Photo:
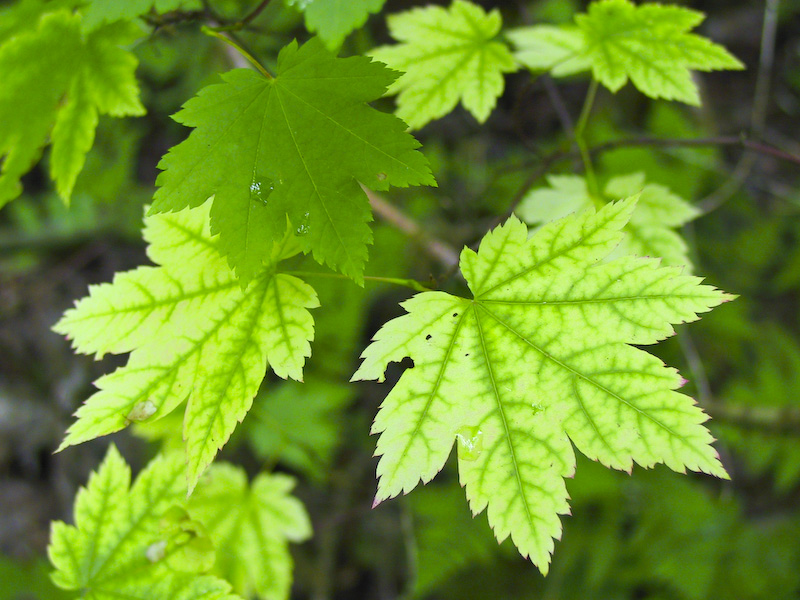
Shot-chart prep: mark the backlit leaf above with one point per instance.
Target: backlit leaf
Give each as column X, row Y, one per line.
column 539, row 359
column 68, row 80
column 251, row 527
column 119, row 546
column 650, row 44
column 194, row 335
column 448, row 55
column 651, row 230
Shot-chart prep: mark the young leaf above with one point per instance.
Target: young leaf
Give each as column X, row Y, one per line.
column 540, row 356
column 119, row 547
column 251, row 527
column 649, row 44
column 100, row 12
column 297, row 146
column 651, row 230
column 333, row 20
column 68, row 80
column 448, row 56
column 194, row 333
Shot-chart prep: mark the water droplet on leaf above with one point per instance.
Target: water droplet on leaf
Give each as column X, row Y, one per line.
column 142, row 411
column 381, row 176
column 155, row 551
column 470, row 443
column 303, row 227
column 260, row 189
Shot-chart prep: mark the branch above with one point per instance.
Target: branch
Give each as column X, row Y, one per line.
column 438, row 249
column 254, row 13
column 725, row 140
column 558, row 156
column 758, row 113
column 774, row 419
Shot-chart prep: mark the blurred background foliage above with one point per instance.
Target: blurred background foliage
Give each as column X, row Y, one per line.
column 651, row 535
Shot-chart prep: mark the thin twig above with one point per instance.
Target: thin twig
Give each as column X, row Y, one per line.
column 583, row 120
column 251, row 59
column 725, row 140
column 254, row 13
column 758, row 114
column 696, row 366
column 773, row 419
column 543, row 165
column 559, row 105
column 438, row 249
column 542, row 169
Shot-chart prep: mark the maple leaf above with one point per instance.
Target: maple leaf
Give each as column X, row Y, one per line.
column 649, row 44
column 448, row 55
column 118, row 547
column 333, row 20
column 540, row 356
column 100, row 80
column 251, row 527
column 297, row 146
column 194, row 333
column 651, row 230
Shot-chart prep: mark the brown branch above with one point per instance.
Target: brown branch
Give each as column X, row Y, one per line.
column 438, row 249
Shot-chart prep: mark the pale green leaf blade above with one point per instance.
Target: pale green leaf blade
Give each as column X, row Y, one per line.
column 518, row 475
column 294, row 146
column 560, row 50
column 448, row 56
column 72, row 138
column 649, row 44
column 557, row 246
column 85, row 75
column 194, row 333
column 415, row 418
column 121, row 316
column 272, row 323
column 657, row 204
column 563, row 195
column 251, row 526
column 333, row 20
column 541, row 356
column 650, row 231
column 628, row 299
column 108, row 552
column 652, row 45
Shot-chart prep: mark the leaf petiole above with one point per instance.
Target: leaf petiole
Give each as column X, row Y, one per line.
column 591, row 178
column 409, row 283
column 250, row 58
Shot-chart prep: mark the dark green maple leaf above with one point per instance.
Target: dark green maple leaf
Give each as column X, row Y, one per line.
column 295, row 146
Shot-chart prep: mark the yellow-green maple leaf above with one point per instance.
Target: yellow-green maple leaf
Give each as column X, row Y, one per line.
column 194, row 335
column 541, row 356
